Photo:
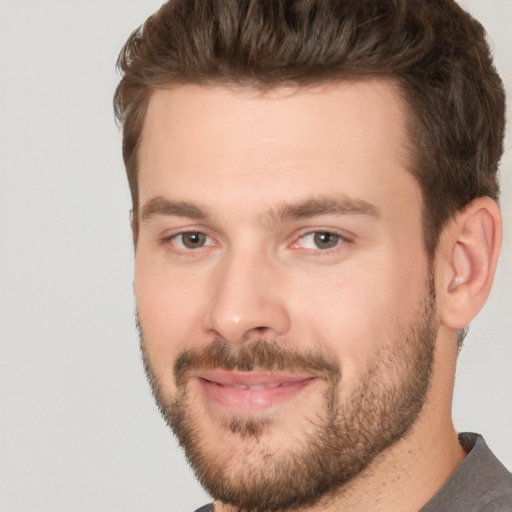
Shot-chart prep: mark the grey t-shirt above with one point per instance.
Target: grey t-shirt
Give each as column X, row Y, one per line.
column 481, row 483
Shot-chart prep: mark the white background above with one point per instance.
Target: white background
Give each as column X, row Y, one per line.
column 79, row 431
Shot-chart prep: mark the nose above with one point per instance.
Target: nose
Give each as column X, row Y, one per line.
column 247, row 300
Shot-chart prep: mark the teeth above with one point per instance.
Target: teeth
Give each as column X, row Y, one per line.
column 272, row 385
column 256, row 387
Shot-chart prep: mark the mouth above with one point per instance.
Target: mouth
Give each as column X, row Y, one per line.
column 250, row 391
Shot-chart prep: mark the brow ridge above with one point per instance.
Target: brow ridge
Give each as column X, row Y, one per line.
column 323, row 206
column 282, row 213
column 162, row 206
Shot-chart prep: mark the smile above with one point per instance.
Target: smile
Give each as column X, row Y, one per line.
column 248, row 391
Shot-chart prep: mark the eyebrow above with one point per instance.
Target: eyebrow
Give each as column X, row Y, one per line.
column 340, row 205
column 160, row 206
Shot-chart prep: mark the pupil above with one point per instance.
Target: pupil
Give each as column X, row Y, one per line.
column 193, row 240
column 325, row 240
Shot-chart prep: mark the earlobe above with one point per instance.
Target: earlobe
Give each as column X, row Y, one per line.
column 469, row 248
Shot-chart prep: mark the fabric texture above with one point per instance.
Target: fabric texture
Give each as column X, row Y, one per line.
column 481, row 483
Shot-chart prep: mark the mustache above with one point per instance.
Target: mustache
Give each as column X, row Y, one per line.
column 262, row 355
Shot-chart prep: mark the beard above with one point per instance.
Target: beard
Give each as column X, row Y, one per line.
column 340, row 436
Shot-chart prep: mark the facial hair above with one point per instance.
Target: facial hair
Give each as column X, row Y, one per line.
column 340, row 437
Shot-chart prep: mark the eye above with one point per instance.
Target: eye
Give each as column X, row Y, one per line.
column 322, row 240
column 191, row 240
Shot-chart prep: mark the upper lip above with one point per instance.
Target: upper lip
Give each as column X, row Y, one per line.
column 251, row 380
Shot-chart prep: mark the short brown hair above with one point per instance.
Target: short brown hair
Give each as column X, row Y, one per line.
column 434, row 50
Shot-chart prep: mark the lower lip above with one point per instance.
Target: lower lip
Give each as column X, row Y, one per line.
column 248, row 400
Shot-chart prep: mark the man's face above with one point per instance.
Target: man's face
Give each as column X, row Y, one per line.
column 284, row 297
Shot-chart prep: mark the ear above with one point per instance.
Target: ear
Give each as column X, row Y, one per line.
column 467, row 257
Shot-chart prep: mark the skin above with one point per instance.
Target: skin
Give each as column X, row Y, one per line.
column 243, row 158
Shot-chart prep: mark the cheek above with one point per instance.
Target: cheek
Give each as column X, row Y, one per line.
column 169, row 307
column 353, row 312
column 344, row 318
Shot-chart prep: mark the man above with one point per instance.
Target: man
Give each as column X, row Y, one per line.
column 315, row 223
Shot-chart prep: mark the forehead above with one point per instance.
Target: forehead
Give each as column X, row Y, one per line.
column 347, row 135
column 365, row 107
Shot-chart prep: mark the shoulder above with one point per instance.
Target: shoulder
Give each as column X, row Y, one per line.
column 206, row 508
column 481, row 483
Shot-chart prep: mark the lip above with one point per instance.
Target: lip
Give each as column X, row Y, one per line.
column 250, row 391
